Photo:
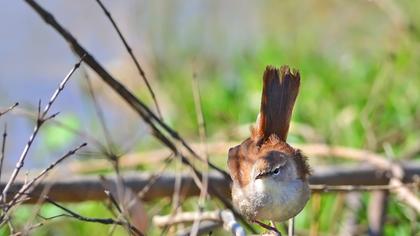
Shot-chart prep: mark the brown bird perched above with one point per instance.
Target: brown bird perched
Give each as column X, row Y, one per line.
column 270, row 176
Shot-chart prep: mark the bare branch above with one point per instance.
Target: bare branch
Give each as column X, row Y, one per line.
column 121, row 201
column 113, row 200
column 30, row 184
column 130, row 51
column 106, row 221
column 99, row 112
column 35, row 211
column 81, row 133
column 3, row 147
column 9, row 109
column 41, row 119
column 61, row 87
column 203, row 140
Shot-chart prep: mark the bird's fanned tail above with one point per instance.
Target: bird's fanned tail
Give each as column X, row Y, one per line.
column 280, row 89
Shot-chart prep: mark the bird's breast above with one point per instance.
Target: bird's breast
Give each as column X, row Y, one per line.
column 268, row 199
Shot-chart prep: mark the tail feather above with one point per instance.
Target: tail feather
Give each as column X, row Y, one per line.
column 280, row 89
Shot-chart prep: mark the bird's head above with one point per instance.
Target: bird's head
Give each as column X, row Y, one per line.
column 273, row 159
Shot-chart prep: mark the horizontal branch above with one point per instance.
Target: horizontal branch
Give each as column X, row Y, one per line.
column 85, row 188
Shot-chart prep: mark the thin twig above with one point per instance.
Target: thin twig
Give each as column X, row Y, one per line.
column 122, row 213
column 36, row 209
column 130, row 51
column 203, row 140
column 106, row 221
column 27, row 230
column 24, row 189
column 99, row 112
column 120, row 189
column 79, row 132
column 52, row 217
column 113, row 200
column 3, row 147
column 107, row 151
column 176, row 203
column 9, row 109
column 61, row 87
column 272, row 229
column 154, row 177
column 40, row 121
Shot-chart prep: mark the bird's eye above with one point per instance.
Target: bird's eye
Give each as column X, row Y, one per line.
column 276, row 171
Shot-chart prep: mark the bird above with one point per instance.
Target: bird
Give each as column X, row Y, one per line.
column 269, row 176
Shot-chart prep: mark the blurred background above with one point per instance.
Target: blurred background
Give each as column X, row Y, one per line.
column 359, row 63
